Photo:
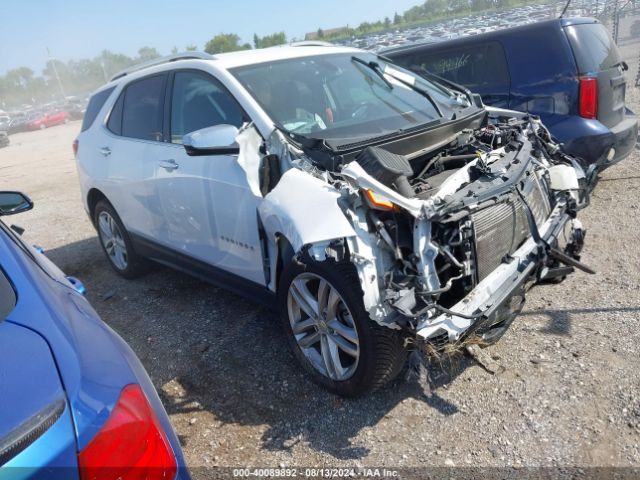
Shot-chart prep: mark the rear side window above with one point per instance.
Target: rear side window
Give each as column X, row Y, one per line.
column 94, row 106
column 475, row 66
column 7, row 297
column 200, row 101
column 593, row 47
column 142, row 108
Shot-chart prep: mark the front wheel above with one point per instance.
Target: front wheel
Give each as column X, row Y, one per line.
column 331, row 334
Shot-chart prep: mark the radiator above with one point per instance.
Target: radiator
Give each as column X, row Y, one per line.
column 500, row 229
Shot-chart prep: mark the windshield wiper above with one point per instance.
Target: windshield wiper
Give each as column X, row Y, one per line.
column 376, row 69
column 417, row 89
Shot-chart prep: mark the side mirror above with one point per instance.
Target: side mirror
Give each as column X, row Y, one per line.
column 14, row 202
column 216, row 140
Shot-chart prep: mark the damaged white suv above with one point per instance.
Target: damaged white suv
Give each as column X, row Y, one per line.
column 380, row 211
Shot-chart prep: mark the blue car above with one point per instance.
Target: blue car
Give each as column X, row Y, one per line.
column 568, row 71
column 76, row 402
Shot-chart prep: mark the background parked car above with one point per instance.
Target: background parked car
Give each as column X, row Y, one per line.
column 567, row 71
column 49, row 120
column 75, row 398
column 5, row 120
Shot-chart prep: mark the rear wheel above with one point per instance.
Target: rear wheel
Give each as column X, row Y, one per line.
column 331, row 334
column 116, row 243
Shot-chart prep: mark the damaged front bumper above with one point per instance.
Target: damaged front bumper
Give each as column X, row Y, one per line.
column 485, row 304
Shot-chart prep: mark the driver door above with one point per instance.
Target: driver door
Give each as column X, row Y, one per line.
column 207, row 208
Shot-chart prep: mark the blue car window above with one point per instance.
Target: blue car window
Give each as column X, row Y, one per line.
column 7, row 296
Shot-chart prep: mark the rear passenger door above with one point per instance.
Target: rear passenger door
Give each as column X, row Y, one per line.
column 482, row 68
column 209, row 212
column 131, row 153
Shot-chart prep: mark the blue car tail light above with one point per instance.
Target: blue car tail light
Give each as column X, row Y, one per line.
column 130, row 445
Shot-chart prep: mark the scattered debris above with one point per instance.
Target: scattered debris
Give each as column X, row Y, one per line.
column 484, row 359
column 106, row 296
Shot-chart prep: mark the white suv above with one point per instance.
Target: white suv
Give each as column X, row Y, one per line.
column 378, row 210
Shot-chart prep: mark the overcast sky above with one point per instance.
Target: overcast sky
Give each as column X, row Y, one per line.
column 74, row 29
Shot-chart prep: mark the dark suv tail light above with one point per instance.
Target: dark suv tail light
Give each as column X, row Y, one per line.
column 76, row 143
column 130, row 445
column 588, row 105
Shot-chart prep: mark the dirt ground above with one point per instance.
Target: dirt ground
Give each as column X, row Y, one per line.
column 570, row 395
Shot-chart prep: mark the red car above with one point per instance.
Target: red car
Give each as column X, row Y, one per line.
column 49, row 120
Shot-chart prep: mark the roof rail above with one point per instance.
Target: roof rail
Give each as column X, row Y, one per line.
column 161, row 60
column 312, row 43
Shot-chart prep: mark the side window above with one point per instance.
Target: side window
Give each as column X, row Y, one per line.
column 93, row 108
column 475, row 66
column 115, row 118
column 142, row 109
column 198, row 101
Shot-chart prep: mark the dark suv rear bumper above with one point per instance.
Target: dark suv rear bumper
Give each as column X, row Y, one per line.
column 625, row 136
column 592, row 141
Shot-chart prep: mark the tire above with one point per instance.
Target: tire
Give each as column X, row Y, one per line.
column 380, row 350
column 42, row 126
column 118, row 248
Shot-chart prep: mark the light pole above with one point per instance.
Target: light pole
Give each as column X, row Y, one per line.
column 104, row 72
column 55, row 71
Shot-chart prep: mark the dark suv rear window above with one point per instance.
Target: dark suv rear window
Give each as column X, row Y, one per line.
column 474, row 66
column 94, row 106
column 593, row 47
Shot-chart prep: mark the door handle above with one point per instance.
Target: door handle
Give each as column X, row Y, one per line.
column 168, row 165
column 105, row 151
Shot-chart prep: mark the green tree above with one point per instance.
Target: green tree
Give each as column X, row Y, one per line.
column 147, row 53
column 272, row 40
column 225, row 42
column 387, row 22
column 320, row 33
column 256, row 41
column 397, row 19
column 191, row 48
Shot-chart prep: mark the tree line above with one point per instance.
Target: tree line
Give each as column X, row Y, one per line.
column 22, row 85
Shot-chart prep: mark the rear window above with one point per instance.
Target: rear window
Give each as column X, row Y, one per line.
column 94, row 106
column 474, row 66
column 593, row 47
column 7, row 297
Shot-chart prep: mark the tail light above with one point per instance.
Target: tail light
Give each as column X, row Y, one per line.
column 75, row 146
column 588, row 106
column 130, row 445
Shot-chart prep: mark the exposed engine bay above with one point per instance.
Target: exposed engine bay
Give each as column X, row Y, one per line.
column 452, row 238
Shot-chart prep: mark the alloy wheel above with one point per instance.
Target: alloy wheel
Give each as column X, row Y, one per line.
column 112, row 241
column 323, row 326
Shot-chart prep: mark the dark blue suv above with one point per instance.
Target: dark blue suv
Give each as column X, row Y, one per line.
column 567, row 71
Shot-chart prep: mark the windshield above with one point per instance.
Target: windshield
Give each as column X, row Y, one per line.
column 347, row 96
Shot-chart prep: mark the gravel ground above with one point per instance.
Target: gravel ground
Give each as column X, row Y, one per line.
column 570, row 395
